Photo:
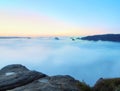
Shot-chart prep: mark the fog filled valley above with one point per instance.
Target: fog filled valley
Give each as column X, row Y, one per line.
column 84, row 60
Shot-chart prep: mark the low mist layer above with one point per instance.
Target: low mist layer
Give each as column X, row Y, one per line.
column 84, row 60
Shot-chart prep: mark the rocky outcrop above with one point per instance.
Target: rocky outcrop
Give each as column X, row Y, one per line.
column 112, row 84
column 56, row 38
column 13, row 76
column 54, row 83
column 19, row 78
column 105, row 37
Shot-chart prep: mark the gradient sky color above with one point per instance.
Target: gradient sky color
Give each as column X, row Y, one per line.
column 59, row 17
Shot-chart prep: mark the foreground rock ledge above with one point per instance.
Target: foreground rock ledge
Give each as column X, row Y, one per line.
column 18, row 78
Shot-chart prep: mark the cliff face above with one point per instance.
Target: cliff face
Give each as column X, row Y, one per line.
column 106, row 37
column 19, row 78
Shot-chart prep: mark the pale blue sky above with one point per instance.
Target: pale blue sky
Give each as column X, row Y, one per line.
column 87, row 13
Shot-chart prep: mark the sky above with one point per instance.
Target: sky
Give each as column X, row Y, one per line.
column 59, row 17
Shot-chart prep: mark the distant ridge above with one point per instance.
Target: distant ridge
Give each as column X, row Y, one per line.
column 104, row 37
column 5, row 37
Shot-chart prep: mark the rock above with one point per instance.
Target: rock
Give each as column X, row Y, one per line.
column 53, row 83
column 112, row 84
column 78, row 38
column 19, row 78
column 73, row 39
column 105, row 37
column 16, row 68
column 56, row 38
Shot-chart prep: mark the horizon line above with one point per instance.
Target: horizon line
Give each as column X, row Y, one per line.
column 54, row 35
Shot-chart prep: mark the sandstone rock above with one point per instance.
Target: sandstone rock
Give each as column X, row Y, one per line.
column 19, row 78
column 15, row 68
column 53, row 83
column 112, row 84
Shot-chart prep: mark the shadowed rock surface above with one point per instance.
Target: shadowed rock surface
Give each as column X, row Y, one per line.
column 19, row 78
column 112, row 84
column 17, row 68
column 13, row 76
column 54, row 83
column 105, row 37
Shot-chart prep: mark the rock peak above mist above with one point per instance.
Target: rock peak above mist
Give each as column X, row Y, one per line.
column 105, row 37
